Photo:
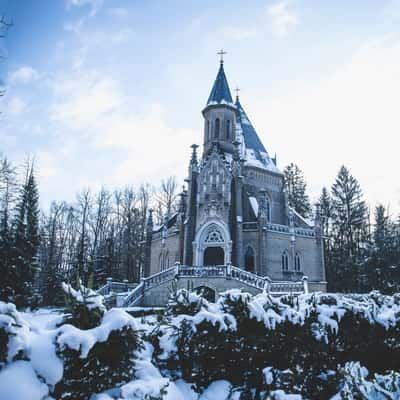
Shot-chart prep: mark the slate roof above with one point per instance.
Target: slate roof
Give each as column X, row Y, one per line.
column 220, row 92
column 251, row 138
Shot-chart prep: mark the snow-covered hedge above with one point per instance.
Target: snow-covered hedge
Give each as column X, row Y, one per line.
column 307, row 337
column 62, row 359
column 322, row 346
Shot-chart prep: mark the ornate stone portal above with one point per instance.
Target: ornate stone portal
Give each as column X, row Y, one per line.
column 212, row 245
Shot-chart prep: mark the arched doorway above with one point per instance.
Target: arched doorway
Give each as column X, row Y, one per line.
column 206, row 292
column 214, row 256
column 249, row 260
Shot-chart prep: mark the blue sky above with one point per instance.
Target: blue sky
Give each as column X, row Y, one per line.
column 111, row 92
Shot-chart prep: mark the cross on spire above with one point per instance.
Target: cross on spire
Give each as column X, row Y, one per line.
column 221, row 53
column 237, row 90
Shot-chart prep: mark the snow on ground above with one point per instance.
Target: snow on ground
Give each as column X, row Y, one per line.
column 36, row 334
column 18, row 381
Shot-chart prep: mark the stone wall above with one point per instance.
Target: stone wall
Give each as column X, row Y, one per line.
column 170, row 248
column 158, row 295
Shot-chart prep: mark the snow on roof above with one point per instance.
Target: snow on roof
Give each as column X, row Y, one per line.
column 220, row 93
column 254, row 204
column 307, row 221
column 255, row 153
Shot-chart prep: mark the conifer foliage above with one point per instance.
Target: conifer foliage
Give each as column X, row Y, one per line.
column 20, row 239
column 359, row 255
column 296, row 188
column 295, row 344
column 98, row 347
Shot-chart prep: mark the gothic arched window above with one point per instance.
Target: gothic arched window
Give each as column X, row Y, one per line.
column 208, row 130
column 285, row 261
column 249, row 259
column 297, row 263
column 228, row 129
column 216, row 129
column 214, row 236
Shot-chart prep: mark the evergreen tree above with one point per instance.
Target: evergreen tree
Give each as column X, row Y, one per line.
column 7, row 195
column 349, row 232
column 325, row 208
column 381, row 231
column 296, row 188
column 26, row 240
column 349, row 213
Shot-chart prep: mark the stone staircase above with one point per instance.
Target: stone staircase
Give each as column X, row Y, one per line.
column 155, row 290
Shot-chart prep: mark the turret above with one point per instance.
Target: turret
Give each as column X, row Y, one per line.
column 219, row 115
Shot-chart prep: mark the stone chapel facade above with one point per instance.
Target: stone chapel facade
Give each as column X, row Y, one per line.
column 235, row 209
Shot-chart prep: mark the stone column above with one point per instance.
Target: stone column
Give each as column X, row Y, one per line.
column 149, row 238
column 239, row 223
column 190, row 228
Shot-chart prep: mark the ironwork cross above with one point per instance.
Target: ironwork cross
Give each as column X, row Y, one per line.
column 237, row 90
column 221, row 53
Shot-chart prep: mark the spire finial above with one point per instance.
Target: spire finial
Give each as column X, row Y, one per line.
column 221, row 53
column 194, row 153
column 237, row 90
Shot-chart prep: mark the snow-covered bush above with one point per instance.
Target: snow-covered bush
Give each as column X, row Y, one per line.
column 184, row 302
column 97, row 358
column 356, row 385
column 84, row 306
column 306, row 336
column 13, row 334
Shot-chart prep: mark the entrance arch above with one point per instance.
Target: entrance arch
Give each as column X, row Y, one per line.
column 214, row 256
column 212, row 245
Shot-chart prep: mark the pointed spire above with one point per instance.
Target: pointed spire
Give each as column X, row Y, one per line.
column 220, row 92
column 193, row 160
column 150, row 221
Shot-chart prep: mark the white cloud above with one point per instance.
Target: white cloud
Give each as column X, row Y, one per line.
column 81, row 101
column 24, row 74
column 118, row 12
column 237, row 33
column 281, row 17
column 350, row 117
column 95, row 5
column 16, row 105
column 94, row 108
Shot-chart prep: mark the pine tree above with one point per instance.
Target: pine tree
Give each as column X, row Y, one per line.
column 325, row 208
column 349, row 213
column 26, row 240
column 7, row 195
column 296, row 186
column 381, row 231
column 349, row 232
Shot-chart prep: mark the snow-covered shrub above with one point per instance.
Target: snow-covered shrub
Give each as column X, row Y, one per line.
column 13, row 334
column 84, row 306
column 97, row 347
column 356, row 385
column 184, row 302
column 311, row 335
column 99, row 358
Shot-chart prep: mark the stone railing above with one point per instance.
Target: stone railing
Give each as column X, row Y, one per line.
column 251, row 279
column 263, row 283
column 160, row 277
column 305, row 232
column 200, row 272
column 134, row 296
column 115, row 287
column 286, row 287
column 278, row 228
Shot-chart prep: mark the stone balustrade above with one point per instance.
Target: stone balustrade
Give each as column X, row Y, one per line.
column 261, row 283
